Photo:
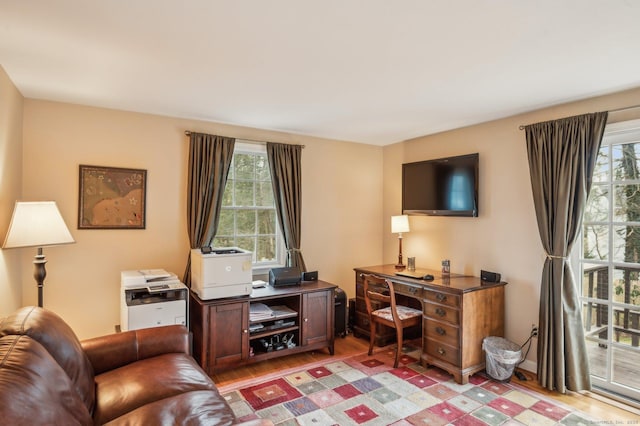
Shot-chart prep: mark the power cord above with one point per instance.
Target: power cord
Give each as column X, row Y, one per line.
column 519, row 374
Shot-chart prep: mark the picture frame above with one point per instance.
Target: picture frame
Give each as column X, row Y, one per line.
column 112, row 198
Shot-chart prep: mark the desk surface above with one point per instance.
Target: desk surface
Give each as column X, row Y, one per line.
column 303, row 287
column 448, row 283
column 268, row 292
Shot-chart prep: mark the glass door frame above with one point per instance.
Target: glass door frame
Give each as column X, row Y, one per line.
column 615, row 134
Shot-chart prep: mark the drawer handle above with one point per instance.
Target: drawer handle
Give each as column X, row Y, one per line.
column 441, row 331
column 441, row 312
column 441, row 351
column 413, row 290
column 441, row 297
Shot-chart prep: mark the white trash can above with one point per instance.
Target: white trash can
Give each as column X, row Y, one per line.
column 502, row 357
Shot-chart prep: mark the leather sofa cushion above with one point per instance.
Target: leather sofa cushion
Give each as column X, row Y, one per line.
column 193, row 408
column 116, row 350
column 60, row 341
column 30, row 377
column 149, row 380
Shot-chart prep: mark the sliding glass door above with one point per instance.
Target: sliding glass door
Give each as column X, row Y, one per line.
column 610, row 264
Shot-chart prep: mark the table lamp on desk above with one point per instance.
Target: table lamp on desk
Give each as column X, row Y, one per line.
column 399, row 224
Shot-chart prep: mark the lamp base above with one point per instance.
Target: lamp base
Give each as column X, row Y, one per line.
column 399, row 265
column 39, row 274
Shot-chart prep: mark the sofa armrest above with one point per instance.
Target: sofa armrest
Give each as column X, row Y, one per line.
column 115, row 350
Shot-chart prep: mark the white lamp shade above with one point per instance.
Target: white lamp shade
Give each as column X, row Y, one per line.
column 37, row 224
column 399, row 224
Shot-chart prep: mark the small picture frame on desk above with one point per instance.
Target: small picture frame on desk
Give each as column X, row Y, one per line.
column 446, row 267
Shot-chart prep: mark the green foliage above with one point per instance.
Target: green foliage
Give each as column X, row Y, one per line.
column 612, row 216
column 615, row 189
column 248, row 217
column 633, row 295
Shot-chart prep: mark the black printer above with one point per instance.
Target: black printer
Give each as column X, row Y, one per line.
column 279, row 277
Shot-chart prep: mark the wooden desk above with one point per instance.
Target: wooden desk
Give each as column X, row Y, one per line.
column 224, row 335
column 458, row 313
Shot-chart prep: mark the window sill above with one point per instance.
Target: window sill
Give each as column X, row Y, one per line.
column 264, row 269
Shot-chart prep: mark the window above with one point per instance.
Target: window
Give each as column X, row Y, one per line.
column 610, row 261
column 248, row 215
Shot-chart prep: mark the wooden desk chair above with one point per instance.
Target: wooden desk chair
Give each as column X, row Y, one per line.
column 395, row 316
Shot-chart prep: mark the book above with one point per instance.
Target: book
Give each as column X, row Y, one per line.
column 260, row 312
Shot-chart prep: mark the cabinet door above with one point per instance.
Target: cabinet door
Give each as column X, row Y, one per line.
column 317, row 317
column 229, row 327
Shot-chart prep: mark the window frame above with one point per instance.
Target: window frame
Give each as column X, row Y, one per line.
column 615, row 134
column 258, row 267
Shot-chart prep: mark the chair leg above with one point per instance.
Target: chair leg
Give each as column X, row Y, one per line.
column 399, row 350
column 372, row 335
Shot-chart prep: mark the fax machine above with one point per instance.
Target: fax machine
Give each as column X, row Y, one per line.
column 221, row 272
column 151, row 298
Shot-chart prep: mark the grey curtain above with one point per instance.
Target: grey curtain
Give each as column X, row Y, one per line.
column 285, row 164
column 562, row 155
column 209, row 162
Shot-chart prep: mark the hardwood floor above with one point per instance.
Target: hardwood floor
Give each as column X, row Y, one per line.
column 597, row 406
column 344, row 347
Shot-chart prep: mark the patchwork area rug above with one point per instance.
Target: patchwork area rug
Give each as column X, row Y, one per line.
column 367, row 390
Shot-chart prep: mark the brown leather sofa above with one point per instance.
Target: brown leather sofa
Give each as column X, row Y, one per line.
column 141, row 377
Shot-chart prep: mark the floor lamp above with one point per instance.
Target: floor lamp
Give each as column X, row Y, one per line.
column 399, row 224
column 37, row 224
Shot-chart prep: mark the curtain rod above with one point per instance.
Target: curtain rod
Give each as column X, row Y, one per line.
column 188, row 133
column 610, row 111
column 625, row 108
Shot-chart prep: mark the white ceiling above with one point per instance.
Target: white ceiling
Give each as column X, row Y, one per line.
column 369, row 71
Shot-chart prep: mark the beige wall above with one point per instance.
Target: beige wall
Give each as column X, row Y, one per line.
column 346, row 215
column 342, row 203
column 504, row 238
column 10, row 189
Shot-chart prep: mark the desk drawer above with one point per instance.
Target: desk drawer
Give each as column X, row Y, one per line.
column 441, row 313
column 362, row 320
column 448, row 299
column 442, row 351
column 383, row 335
column 442, row 332
column 361, row 305
column 408, row 290
column 372, row 287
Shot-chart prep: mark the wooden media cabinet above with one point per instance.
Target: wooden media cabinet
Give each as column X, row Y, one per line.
column 232, row 332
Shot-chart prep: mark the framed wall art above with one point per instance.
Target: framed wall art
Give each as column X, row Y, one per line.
column 112, row 198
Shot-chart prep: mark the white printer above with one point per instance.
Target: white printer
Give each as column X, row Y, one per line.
column 221, row 272
column 151, row 298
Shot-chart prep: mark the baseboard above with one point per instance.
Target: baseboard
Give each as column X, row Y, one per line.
column 530, row 366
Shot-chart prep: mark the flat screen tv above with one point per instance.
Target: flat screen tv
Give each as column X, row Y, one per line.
column 441, row 187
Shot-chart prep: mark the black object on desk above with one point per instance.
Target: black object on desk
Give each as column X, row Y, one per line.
column 284, row 276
